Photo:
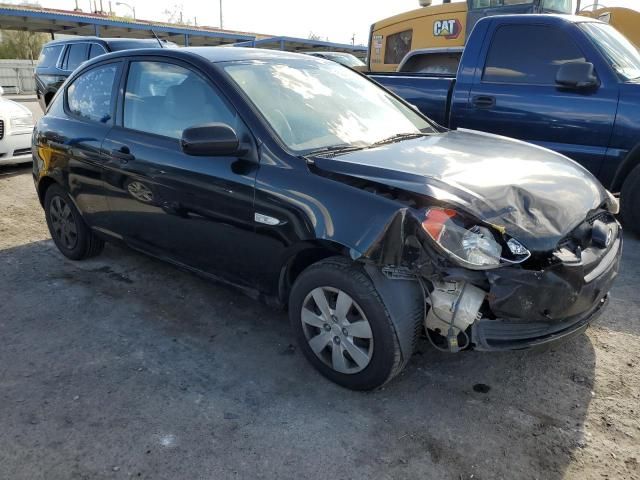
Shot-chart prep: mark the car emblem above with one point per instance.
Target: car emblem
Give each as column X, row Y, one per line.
column 609, row 237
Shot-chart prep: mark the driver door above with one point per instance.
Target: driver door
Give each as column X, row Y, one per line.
column 196, row 211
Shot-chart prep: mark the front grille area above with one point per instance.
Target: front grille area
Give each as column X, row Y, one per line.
column 580, row 237
column 1, row 129
column 21, row 151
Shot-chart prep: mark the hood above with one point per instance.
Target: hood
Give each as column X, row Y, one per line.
column 539, row 196
column 10, row 109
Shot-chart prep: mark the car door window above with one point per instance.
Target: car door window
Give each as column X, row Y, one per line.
column 96, row 50
column 165, row 99
column 76, row 54
column 90, row 95
column 530, row 54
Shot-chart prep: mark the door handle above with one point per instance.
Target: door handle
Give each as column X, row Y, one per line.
column 123, row 154
column 484, row 101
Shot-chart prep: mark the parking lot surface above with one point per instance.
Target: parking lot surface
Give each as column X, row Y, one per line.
column 125, row 367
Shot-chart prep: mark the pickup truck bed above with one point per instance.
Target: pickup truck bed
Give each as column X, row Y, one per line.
column 431, row 95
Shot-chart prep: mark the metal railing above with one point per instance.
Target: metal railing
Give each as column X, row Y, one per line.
column 16, row 76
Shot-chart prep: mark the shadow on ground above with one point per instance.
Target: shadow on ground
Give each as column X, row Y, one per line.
column 123, row 366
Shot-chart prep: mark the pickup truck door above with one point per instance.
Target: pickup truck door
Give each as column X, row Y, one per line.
column 514, row 94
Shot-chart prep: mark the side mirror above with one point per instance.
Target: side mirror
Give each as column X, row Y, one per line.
column 210, row 140
column 576, row 75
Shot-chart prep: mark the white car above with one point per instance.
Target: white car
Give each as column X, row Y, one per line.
column 16, row 125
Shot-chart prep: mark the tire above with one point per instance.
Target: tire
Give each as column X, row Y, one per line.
column 630, row 201
column 68, row 230
column 336, row 280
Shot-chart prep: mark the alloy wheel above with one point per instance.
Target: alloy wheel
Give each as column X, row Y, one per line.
column 63, row 223
column 337, row 330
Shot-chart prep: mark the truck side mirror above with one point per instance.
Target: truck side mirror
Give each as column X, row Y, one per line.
column 576, row 76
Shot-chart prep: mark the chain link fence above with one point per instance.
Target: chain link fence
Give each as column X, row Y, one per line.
column 16, row 76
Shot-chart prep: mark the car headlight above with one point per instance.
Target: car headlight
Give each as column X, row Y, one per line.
column 24, row 122
column 471, row 243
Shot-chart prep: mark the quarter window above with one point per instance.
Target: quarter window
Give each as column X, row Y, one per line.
column 90, row 95
column 165, row 99
column 528, row 54
column 96, row 50
column 398, row 45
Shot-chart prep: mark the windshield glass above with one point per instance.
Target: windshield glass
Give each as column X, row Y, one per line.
column 620, row 52
column 562, row 6
column 345, row 59
column 315, row 104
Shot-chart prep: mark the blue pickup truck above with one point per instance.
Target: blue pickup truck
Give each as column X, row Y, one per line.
column 570, row 84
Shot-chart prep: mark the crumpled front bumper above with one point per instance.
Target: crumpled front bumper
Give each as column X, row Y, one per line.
column 537, row 308
column 495, row 335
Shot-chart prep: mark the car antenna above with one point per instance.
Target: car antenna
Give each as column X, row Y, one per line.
column 159, row 41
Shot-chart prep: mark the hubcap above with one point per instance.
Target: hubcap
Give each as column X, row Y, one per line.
column 337, row 330
column 63, row 223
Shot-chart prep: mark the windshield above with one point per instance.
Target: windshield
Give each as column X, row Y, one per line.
column 623, row 57
column 345, row 59
column 563, row 6
column 315, row 104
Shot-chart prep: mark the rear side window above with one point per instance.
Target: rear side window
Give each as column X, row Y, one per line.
column 49, row 56
column 398, row 45
column 164, row 99
column 528, row 54
column 76, row 54
column 90, row 96
column 96, row 50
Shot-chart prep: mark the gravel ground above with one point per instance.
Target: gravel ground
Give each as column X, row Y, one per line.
column 123, row 367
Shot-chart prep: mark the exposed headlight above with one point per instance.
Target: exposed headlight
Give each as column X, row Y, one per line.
column 24, row 122
column 471, row 243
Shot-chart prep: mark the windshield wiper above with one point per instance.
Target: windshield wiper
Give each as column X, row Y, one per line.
column 341, row 148
column 398, row 137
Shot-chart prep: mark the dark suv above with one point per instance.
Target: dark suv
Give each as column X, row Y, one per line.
column 61, row 57
column 306, row 184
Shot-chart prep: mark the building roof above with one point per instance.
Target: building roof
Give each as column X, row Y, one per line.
column 37, row 19
column 79, row 23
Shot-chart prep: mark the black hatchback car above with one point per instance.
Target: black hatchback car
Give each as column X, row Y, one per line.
column 310, row 186
column 59, row 58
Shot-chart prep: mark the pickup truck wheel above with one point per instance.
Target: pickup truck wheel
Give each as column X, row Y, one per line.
column 342, row 325
column 70, row 233
column 630, row 201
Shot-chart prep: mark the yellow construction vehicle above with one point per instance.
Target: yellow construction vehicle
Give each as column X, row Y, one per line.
column 442, row 26
column 624, row 20
column 441, row 30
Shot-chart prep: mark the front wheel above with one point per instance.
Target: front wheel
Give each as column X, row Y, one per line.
column 342, row 325
column 630, row 200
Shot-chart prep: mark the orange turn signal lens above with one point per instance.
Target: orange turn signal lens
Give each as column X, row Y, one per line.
column 435, row 220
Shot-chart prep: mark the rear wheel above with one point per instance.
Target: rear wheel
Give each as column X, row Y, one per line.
column 630, row 201
column 70, row 233
column 342, row 325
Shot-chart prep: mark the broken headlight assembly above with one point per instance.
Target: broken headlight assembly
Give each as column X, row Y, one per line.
column 469, row 242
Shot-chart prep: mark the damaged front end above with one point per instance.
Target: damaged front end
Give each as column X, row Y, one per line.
column 511, row 245
column 484, row 290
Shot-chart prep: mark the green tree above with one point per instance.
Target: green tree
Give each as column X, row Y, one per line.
column 22, row 45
